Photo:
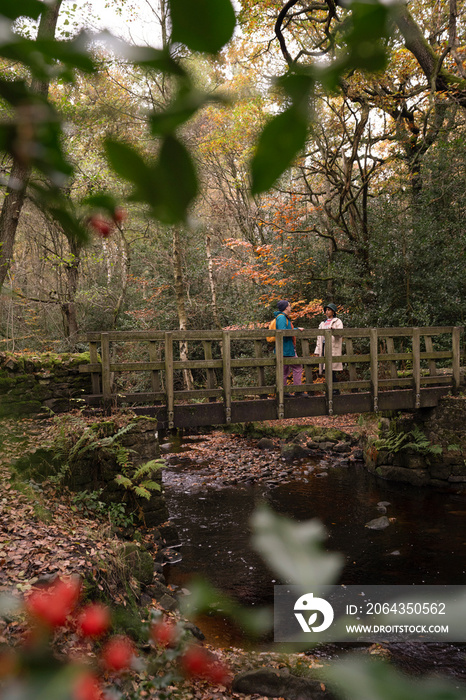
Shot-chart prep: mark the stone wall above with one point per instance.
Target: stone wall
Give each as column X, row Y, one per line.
column 32, row 383
column 443, row 426
column 97, row 469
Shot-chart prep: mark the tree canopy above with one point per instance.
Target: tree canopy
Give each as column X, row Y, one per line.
column 301, row 151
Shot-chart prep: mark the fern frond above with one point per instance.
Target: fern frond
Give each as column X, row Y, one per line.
column 142, row 492
column 151, row 485
column 124, row 481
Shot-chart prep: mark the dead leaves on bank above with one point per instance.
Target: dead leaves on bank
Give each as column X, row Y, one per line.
column 40, row 536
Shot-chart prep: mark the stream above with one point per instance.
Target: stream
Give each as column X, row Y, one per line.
column 424, row 544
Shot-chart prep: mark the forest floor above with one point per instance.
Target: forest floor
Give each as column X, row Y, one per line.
column 42, row 535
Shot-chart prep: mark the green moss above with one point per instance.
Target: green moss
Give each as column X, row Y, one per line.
column 139, row 562
column 19, row 409
column 6, row 384
column 38, row 465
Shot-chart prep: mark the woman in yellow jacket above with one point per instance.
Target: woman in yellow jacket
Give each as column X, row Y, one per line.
column 332, row 322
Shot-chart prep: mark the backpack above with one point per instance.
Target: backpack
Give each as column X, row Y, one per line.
column 272, row 327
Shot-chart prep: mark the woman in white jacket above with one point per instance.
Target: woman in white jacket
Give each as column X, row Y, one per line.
column 332, row 322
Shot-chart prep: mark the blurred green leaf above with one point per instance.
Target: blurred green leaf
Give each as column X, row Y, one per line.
column 21, row 8
column 14, row 91
column 184, row 106
column 73, row 53
column 101, row 200
column 61, row 209
column 203, row 25
column 280, row 142
column 130, row 165
column 49, row 58
column 294, row 550
column 297, row 85
column 155, row 58
column 370, row 679
column 168, row 186
column 177, row 182
column 369, row 25
column 369, row 21
column 177, row 113
column 7, row 135
column 204, row 598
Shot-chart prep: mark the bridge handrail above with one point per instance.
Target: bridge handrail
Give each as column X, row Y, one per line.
column 102, row 366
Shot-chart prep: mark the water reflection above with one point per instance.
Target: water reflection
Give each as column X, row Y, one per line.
column 424, row 544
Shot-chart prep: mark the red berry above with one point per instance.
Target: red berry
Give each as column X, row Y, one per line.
column 94, row 620
column 164, row 633
column 87, row 688
column 100, row 225
column 117, row 654
column 198, row 662
column 119, row 215
column 53, row 604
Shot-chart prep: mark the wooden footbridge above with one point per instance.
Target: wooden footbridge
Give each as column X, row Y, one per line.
column 236, row 375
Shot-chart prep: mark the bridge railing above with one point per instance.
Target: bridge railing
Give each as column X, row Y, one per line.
column 190, row 367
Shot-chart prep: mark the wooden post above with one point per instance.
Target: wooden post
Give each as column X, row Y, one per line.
column 94, row 359
column 456, row 360
column 279, row 373
column 430, row 348
column 211, row 382
column 374, row 368
column 417, row 366
column 169, row 379
column 226, row 346
column 106, row 383
column 329, row 370
column 391, row 351
column 351, row 366
column 155, row 374
column 260, row 370
column 306, row 353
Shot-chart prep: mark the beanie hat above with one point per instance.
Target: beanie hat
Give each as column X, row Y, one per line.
column 332, row 307
column 282, row 304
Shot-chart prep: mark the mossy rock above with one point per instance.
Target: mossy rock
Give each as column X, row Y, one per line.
column 7, row 383
column 258, row 430
column 19, row 409
column 138, row 562
column 37, row 465
column 320, row 434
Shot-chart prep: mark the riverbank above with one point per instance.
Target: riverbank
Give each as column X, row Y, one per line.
column 266, row 452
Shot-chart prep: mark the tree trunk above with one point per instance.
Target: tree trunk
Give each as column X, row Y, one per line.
column 213, row 291
column 180, row 304
column 68, row 307
column 126, row 267
column 21, row 171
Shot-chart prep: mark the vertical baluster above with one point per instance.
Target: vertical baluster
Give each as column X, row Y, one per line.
column 374, row 368
column 259, row 370
column 226, row 347
column 417, row 366
column 430, row 348
column 94, row 359
column 328, row 370
column 351, row 366
column 106, row 380
column 279, row 373
column 390, row 351
column 456, row 360
column 211, row 381
column 155, row 373
column 306, row 353
column 169, row 379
